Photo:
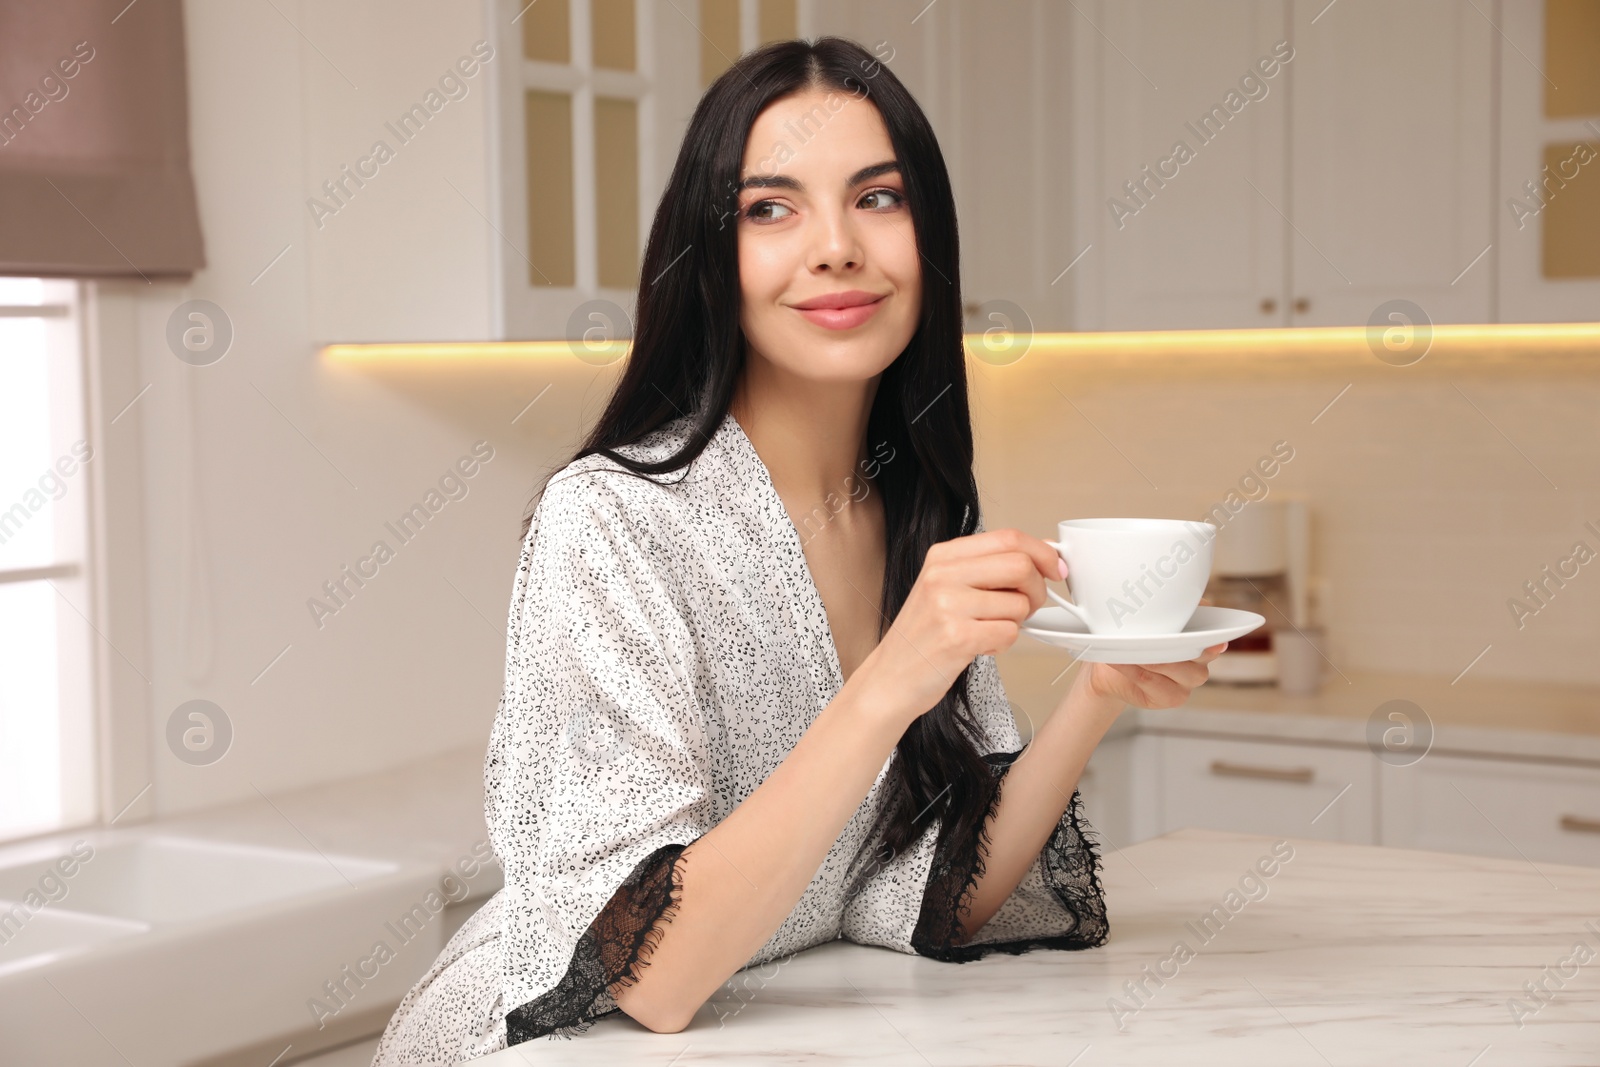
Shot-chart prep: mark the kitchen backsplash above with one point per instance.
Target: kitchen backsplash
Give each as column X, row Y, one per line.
column 1440, row 495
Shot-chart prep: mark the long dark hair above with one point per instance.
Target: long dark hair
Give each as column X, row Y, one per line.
column 688, row 352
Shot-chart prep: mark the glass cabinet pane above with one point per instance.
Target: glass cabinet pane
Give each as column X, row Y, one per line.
column 547, row 31
column 1571, row 216
column 1571, row 58
column 777, row 21
column 719, row 37
column 613, row 32
column 551, row 244
column 616, row 169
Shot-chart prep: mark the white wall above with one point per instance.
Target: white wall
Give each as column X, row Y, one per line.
column 267, row 471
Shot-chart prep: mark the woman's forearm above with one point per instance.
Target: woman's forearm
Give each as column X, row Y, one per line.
column 1035, row 793
column 743, row 877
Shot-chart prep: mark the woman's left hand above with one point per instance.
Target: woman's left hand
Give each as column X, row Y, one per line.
column 1156, row 685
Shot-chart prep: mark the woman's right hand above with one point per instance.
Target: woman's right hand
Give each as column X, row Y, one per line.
column 969, row 600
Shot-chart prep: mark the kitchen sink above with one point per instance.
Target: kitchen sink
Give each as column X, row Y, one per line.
column 175, row 879
column 29, row 938
column 141, row 946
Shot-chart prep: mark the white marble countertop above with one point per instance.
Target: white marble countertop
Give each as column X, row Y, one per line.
column 1346, row 954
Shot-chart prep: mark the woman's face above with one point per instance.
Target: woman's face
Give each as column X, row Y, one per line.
column 823, row 220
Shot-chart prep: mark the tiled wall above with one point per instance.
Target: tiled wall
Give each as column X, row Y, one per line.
column 1436, row 490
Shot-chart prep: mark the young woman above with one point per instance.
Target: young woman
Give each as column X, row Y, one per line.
column 722, row 741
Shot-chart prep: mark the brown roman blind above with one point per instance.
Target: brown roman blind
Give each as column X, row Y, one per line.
column 94, row 140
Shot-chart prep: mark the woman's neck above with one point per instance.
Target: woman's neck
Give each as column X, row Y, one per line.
column 811, row 435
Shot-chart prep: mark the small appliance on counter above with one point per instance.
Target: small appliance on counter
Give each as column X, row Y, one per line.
column 1260, row 562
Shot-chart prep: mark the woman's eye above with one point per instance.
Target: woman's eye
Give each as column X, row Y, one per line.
column 893, row 196
column 763, row 209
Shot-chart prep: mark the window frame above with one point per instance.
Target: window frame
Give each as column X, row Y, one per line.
column 72, row 572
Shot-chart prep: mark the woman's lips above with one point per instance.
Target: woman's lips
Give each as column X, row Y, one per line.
column 841, row 318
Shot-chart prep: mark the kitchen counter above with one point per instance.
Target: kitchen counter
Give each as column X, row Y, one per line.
column 428, row 812
column 1528, row 720
column 1345, row 954
column 152, row 993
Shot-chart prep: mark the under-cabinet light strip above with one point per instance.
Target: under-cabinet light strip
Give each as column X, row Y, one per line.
column 1307, row 340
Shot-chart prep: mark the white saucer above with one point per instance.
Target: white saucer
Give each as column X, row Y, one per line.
column 1208, row 626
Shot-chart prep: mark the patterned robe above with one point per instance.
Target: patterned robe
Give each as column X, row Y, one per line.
column 667, row 648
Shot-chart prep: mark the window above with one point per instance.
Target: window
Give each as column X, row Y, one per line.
column 47, row 765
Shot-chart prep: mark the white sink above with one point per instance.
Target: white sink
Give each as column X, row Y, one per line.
column 159, row 948
column 176, row 879
column 27, row 940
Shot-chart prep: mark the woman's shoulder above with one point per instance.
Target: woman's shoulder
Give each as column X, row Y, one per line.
column 597, row 486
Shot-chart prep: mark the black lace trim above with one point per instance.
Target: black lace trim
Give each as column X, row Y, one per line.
column 1071, row 867
column 612, row 951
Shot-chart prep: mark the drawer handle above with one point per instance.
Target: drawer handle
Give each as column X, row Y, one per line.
column 1277, row 774
column 1579, row 825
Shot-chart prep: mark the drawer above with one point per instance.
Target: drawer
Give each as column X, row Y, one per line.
column 1263, row 787
column 1494, row 807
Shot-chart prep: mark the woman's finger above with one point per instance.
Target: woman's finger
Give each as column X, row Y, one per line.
column 1045, row 559
column 1004, row 570
column 984, row 604
column 1188, row 674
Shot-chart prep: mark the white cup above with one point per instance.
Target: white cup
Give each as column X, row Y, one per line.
column 1134, row 576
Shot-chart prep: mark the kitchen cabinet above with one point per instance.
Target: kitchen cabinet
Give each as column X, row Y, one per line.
column 1153, row 779
column 1107, row 803
column 1390, row 160
column 1217, row 194
column 1300, row 195
column 573, row 108
column 1260, row 787
column 1549, row 171
column 991, row 81
column 1186, row 236
column 1494, row 807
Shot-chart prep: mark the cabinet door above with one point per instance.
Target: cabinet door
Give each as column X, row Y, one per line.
column 1261, row 787
column 1106, row 788
column 1008, row 154
column 1548, row 216
column 1494, row 807
column 1183, row 201
column 1390, row 160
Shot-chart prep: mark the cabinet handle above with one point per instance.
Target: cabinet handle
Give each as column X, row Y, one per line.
column 1268, row 305
column 1302, row 305
column 1277, row 774
column 1579, row 825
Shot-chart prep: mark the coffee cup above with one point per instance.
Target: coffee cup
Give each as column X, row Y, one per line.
column 1134, row 576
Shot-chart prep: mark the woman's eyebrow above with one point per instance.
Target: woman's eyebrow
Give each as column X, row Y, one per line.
column 783, row 181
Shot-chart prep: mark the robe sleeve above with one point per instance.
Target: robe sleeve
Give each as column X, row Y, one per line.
column 598, row 772
column 913, row 902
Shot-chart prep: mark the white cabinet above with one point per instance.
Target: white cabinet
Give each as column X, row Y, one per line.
column 1261, row 787
column 1391, row 160
column 1178, row 194
column 1106, row 798
column 1532, row 197
column 430, row 237
column 1494, row 807
column 1215, row 195
column 1158, row 780
column 1007, row 146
